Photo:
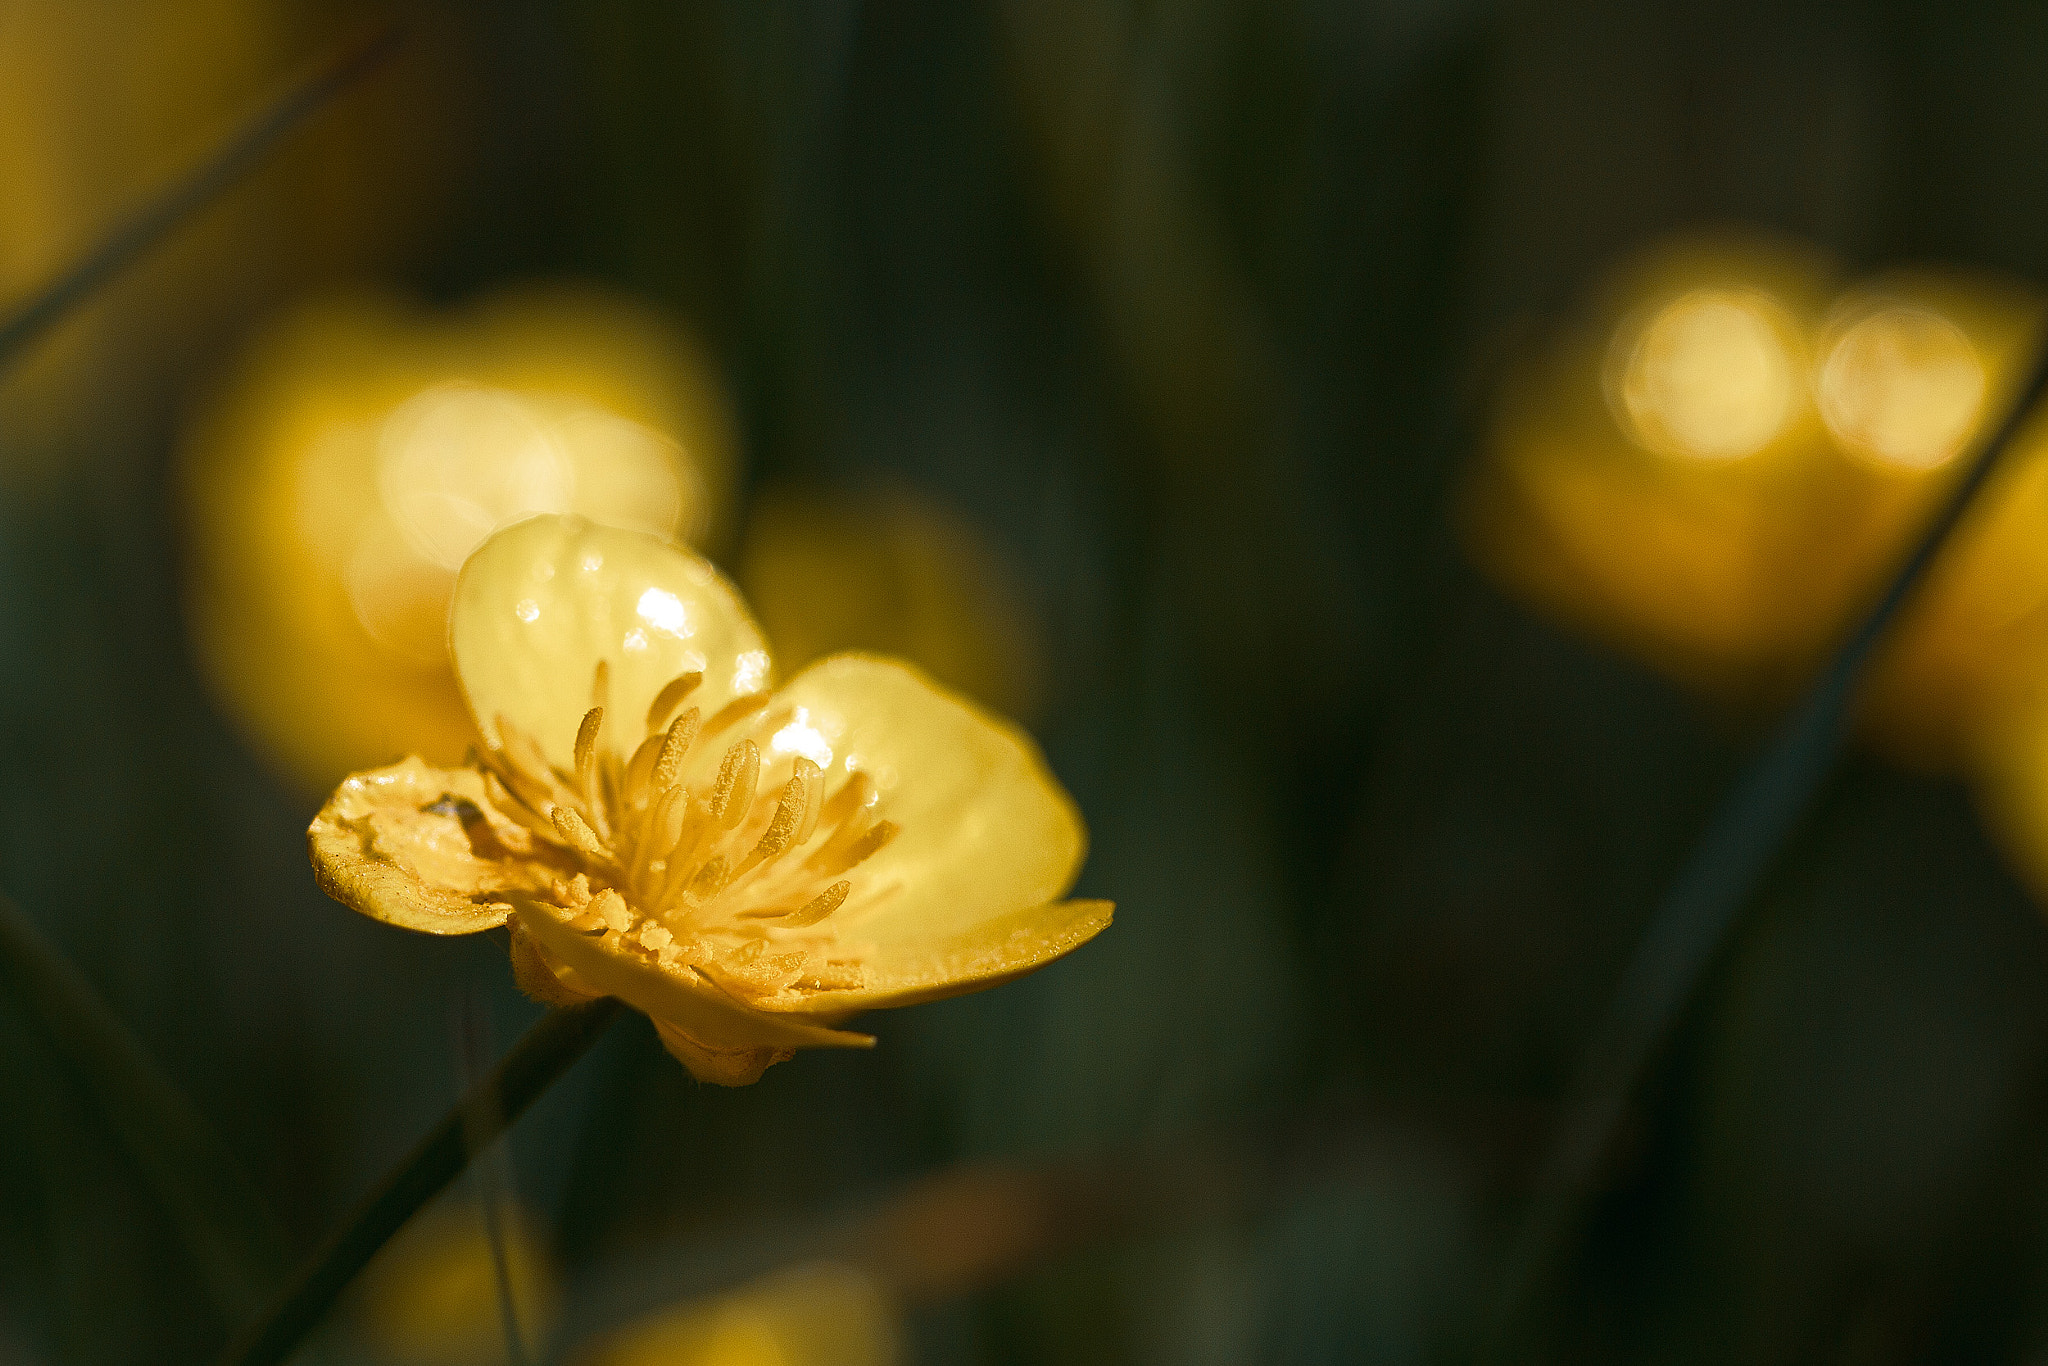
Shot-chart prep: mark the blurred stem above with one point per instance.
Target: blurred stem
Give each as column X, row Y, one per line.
column 154, row 220
column 536, row 1062
column 1691, row 925
column 229, row 1233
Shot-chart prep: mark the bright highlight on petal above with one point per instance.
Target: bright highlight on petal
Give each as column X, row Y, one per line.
column 747, row 866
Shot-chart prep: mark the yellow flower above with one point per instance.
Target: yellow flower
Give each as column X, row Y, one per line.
column 894, row 573
column 747, row 864
column 365, row 448
column 1652, row 478
column 1727, row 467
column 823, row 1314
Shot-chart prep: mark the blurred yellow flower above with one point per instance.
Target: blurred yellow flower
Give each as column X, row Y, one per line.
column 896, row 573
column 365, row 448
column 1718, row 476
column 749, row 865
column 103, row 103
column 1652, row 478
column 823, row 1314
column 432, row 1297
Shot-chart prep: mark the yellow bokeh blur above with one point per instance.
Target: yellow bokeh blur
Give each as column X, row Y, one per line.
column 364, row 447
column 896, row 573
column 1760, row 460
column 1713, row 374
column 820, row 1314
column 103, row 106
column 433, row 1296
column 1653, row 470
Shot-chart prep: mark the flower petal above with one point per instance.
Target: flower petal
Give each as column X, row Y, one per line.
column 984, row 830
column 542, row 602
column 420, row 847
column 989, row 954
column 676, row 997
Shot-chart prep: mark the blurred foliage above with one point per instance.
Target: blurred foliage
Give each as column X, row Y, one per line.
column 1199, row 316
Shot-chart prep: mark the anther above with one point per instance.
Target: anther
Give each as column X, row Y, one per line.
column 734, row 795
column 669, row 766
column 871, row 843
column 586, row 740
column 814, row 798
column 736, row 709
column 601, row 684
column 781, row 831
column 710, row 879
column 640, row 768
column 820, row 906
column 853, row 794
column 577, row 831
column 672, row 693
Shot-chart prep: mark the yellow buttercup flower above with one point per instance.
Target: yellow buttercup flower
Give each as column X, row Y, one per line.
column 747, row 864
column 365, row 447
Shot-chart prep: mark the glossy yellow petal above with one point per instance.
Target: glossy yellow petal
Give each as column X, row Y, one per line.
column 677, row 997
column 541, row 604
column 986, row 955
column 420, row 847
column 984, row 829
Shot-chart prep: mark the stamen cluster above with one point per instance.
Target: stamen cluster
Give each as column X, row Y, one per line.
column 735, row 876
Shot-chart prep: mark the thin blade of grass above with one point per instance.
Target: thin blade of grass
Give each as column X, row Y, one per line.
column 535, row 1063
column 155, row 219
column 1693, row 922
column 493, row 1176
column 235, row 1244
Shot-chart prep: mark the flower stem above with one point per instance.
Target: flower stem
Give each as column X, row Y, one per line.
column 535, row 1063
column 1698, row 914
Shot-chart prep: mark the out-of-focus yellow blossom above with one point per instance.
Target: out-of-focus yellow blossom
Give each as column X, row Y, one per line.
column 823, row 1314
column 748, row 864
column 432, row 1297
column 366, row 448
column 1652, row 477
column 895, row 573
column 1728, row 466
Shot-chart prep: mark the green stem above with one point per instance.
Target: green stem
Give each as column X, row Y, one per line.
column 1693, row 922
column 535, row 1063
column 227, row 1230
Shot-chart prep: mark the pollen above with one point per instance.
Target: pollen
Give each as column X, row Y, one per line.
column 743, row 866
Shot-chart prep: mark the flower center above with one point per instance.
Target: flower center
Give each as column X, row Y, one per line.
column 733, row 871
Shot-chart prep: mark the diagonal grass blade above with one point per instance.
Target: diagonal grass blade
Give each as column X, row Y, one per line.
column 1694, row 920
column 158, row 217
column 535, row 1063
column 229, row 1233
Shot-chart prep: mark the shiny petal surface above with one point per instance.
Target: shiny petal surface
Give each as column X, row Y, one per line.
column 420, row 847
column 987, row 955
column 986, row 837
column 541, row 603
column 676, row 997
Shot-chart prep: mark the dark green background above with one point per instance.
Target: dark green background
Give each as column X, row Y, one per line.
column 1379, row 839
